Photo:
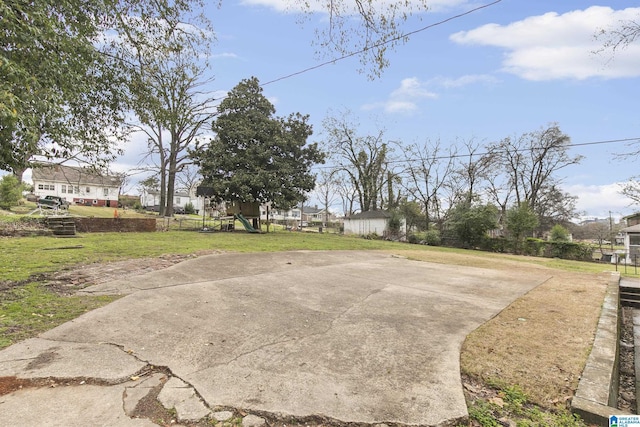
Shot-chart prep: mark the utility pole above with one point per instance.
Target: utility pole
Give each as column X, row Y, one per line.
column 611, row 237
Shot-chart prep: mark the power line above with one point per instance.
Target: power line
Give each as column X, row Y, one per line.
column 380, row 44
column 455, row 156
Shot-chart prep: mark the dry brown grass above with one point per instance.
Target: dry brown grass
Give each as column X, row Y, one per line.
column 542, row 340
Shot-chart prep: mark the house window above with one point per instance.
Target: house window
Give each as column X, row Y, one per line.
column 46, row 187
column 634, row 248
column 76, row 189
column 106, row 192
column 88, row 190
column 177, row 200
column 63, row 188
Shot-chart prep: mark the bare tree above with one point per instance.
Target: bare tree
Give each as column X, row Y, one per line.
column 327, row 190
column 613, row 39
column 532, row 160
column 619, row 37
column 428, row 169
column 364, row 159
column 471, row 169
column 631, row 189
column 498, row 187
column 189, row 177
column 366, row 28
column 346, row 192
column 167, row 97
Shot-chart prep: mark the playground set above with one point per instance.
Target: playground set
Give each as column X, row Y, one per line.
column 243, row 212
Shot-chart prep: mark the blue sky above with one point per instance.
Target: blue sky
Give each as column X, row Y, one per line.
column 505, row 70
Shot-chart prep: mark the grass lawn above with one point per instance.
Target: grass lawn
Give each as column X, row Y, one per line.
column 534, row 350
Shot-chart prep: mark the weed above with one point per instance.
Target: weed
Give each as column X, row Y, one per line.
column 482, row 412
column 30, row 309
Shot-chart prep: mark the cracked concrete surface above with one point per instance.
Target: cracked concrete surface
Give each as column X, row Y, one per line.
column 350, row 336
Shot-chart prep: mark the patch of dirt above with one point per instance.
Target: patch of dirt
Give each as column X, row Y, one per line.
column 71, row 279
column 11, row 384
column 542, row 340
column 627, row 390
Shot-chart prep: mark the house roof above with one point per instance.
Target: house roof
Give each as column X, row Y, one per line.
column 73, row 175
column 632, row 229
column 633, row 215
column 370, row 215
column 312, row 210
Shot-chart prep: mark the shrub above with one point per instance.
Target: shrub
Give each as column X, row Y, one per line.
column 413, row 239
column 533, row 247
column 559, row 234
column 568, row 250
column 10, row 191
column 432, row 238
column 189, row 209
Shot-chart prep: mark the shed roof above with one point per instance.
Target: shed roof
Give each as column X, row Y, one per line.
column 632, row 229
column 370, row 215
column 633, row 215
column 72, row 175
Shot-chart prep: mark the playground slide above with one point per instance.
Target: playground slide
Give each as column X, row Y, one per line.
column 246, row 224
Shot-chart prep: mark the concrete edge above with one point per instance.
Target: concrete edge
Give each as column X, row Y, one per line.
column 597, row 393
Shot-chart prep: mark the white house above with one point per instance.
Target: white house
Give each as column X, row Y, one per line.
column 280, row 215
column 180, row 198
column 632, row 243
column 311, row 215
column 76, row 185
column 370, row 222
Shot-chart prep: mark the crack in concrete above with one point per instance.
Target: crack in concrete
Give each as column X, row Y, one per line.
column 294, row 339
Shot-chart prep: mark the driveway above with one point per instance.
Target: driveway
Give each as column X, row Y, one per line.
column 360, row 337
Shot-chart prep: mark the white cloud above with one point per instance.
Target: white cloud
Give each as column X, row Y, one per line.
column 599, row 200
column 554, row 46
column 224, row 55
column 405, row 98
column 449, row 83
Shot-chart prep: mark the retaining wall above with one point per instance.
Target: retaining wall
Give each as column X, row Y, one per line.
column 104, row 225
column 597, row 394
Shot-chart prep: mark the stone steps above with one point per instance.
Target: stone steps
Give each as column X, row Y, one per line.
column 61, row 226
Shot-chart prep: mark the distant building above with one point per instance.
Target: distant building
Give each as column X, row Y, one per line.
column 631, row 220
column 632, row 243
column 370, row 222
column 181, row 198
column 308, row 215
column 77, row 185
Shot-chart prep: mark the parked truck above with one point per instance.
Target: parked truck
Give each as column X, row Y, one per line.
column 53, row 202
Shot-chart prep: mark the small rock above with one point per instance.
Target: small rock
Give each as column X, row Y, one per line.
column 497, row 401
column 222, row 415
column 252, row 421
column 507, row 422
column 627, row 396
column 470, row 388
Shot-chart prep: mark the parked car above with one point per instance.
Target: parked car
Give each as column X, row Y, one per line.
column 53, row 202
